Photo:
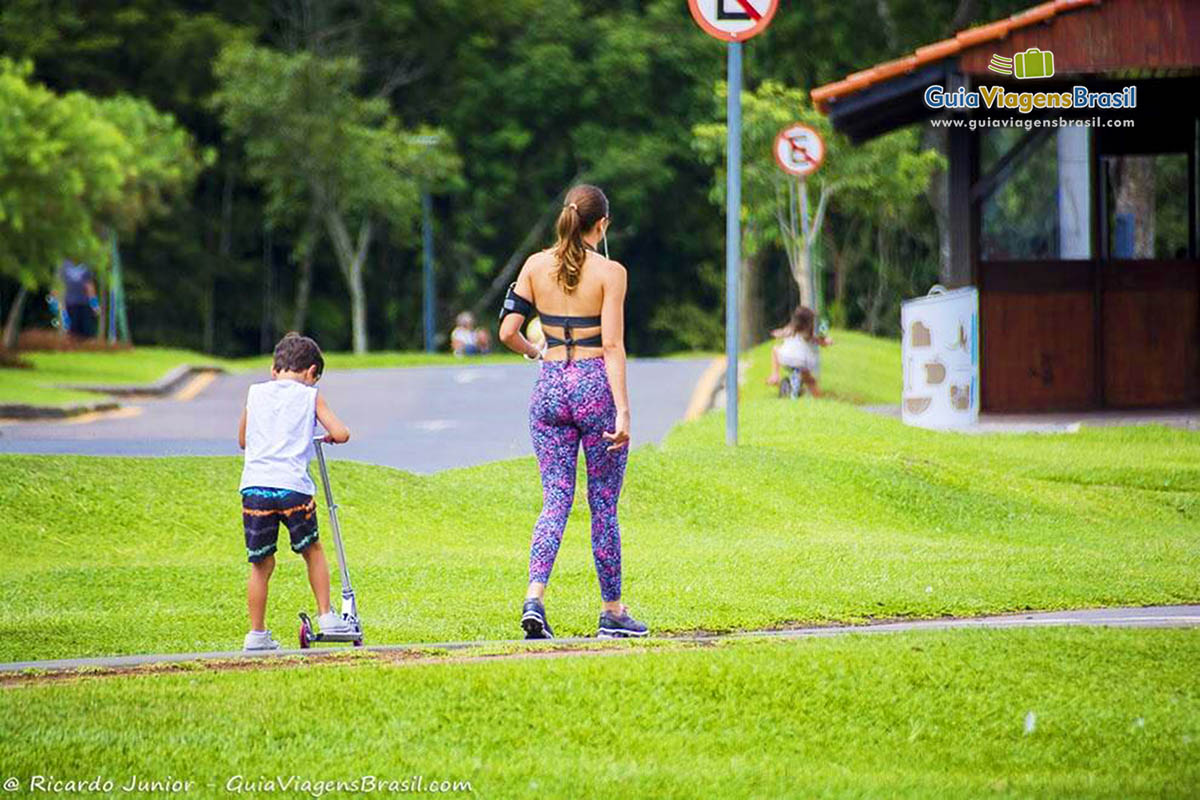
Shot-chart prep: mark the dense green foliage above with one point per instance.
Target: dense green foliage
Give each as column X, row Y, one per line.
column 880, row 181
column 75, row 167
column 1007, row 713
column 824, row 512
column 535, row 94
column 327, row 159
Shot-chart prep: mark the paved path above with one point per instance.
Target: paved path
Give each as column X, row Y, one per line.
column 1142, row 617
column 421, row 419
column 1067, row 422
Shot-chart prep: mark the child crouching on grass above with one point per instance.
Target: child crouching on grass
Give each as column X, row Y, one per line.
column 276, row 431
column 800, row 349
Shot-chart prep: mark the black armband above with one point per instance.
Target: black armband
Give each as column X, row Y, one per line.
column 515, row 304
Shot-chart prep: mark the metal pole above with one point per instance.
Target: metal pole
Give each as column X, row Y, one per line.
column 809, row 250
column 427, row 247
column 733, row 238
column 333, row 516
column 114, row 280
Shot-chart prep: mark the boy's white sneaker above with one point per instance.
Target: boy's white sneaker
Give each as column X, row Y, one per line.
column 332, row 622
column 260, row 640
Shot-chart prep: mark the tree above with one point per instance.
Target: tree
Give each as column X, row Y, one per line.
column 877, row 180
column 326, row 156
column 76, row 168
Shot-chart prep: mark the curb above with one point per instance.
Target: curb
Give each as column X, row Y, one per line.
column 707, row 387
column 23, row 412
column 174, row 381
column 167, row 384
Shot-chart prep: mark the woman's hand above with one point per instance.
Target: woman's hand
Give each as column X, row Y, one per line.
column 619, row 437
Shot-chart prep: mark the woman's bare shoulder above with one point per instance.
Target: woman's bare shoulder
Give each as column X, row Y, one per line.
column 537, row 263
column 611, row 268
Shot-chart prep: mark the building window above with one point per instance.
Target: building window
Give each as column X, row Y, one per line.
column 1146, row 206
column 1036, row 194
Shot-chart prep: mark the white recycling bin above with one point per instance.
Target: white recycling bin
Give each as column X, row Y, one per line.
column 940, row 349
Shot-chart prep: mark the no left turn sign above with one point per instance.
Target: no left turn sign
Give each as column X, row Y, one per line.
column 733, row 20
column 799, row 150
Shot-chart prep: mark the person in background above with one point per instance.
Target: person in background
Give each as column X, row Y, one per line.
column 79, row 301
column 466, row 339
column 800, row 349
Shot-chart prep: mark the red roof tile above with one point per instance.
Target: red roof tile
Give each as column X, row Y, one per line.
column 963, row 40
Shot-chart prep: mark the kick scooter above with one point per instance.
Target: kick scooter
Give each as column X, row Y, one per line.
column 349, row 606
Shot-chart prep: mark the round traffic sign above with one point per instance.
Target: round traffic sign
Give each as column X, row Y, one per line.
column 733, row 20
column 799, row 150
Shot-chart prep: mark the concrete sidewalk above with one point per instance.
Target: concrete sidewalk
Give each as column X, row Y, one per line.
column 1142, row 617
column 1067, row 422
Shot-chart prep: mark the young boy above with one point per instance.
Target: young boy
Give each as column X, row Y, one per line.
column 276, row 431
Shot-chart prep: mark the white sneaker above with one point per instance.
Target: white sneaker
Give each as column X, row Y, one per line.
column 260, row 640
column 333, row 623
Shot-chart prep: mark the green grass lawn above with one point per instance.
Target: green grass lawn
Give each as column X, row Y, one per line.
column 824, row 513
column 43, row 384
column 1012, row 713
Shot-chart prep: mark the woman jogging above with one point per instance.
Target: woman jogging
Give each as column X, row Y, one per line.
column 579, row 399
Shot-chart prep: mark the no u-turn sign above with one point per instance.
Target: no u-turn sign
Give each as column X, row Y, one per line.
column 733, row 20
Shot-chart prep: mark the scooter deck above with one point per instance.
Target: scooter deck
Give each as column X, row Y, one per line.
column 314, row 636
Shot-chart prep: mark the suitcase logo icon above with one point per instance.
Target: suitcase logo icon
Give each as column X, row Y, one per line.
column 1033, row 63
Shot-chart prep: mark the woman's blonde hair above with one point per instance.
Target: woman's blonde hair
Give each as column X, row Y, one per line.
column 584, row 206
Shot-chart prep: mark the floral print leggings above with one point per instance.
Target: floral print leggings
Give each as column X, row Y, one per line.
column 572, row 404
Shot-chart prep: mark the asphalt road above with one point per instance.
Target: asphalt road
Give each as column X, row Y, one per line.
column 421, row 419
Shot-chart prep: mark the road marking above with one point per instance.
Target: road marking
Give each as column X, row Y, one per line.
column 124, row 412
column 435, row 425
column 195, row 386
column 706, row 386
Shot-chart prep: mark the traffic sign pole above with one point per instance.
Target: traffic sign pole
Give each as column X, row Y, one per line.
column 733, row 238
column 733, row 21
column 427, row 300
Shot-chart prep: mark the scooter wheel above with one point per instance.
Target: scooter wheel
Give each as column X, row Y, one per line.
column 358, row 642
column 305, row 641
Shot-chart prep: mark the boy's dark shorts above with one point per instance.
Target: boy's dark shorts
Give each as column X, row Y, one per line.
column 262, row 511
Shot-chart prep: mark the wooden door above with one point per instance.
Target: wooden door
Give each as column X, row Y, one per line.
column 1150, row 333
column 1038, row 343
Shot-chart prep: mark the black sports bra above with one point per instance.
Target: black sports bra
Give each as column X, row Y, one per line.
column 567, row 324
column 515, row 304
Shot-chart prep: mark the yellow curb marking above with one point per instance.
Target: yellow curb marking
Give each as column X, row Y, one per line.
column 195, row 386
column 702, row 394
column 125, row 412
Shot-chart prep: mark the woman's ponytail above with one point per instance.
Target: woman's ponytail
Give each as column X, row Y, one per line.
column 585, row 205
column 569, row 251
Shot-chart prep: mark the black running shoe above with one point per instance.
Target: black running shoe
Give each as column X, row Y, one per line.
column 533, row 620
column 620, row 626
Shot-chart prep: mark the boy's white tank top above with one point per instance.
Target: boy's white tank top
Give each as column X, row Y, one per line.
column 281, row 419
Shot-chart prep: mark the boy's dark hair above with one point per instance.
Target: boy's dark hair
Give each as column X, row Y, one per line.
column 296, row 353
